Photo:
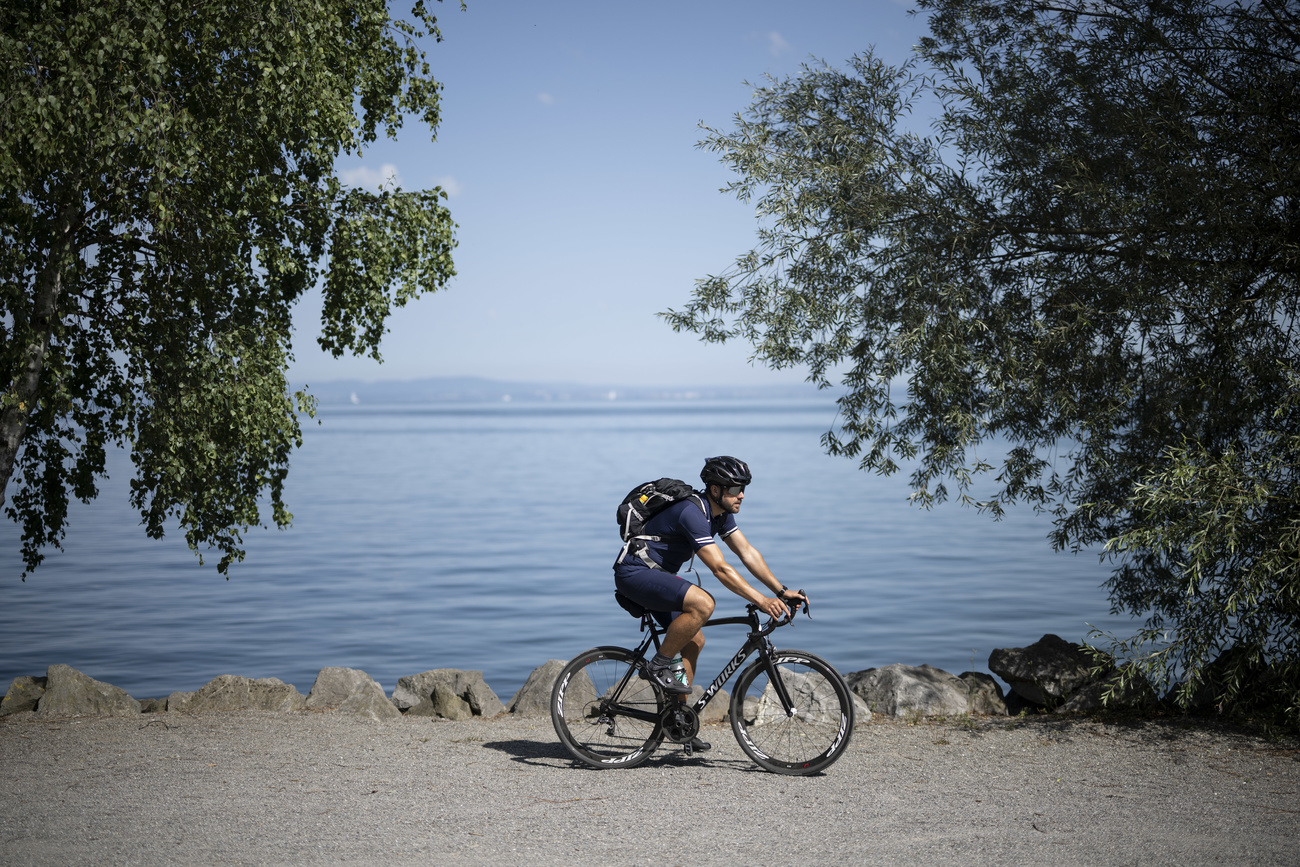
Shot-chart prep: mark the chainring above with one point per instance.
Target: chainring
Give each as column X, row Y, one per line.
column 681, row 723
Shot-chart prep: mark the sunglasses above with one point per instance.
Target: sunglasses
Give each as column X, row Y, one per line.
column 734, row 489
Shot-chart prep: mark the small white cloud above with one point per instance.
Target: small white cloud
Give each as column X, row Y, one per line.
column 449, row 185
column 370, row 179
column 776, row 44
column 545, row 99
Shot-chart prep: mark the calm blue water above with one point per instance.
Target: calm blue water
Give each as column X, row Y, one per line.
column 482, row 536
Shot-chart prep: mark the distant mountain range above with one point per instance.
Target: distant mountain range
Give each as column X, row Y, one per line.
column 469, row 389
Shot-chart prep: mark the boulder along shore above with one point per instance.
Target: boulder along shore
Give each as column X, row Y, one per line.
column 1049, row 675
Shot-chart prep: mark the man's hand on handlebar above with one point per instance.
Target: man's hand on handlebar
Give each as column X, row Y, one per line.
column 772, row 607
column 794, row 597
column 778, row 607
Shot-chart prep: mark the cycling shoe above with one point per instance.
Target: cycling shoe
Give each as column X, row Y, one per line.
column 666, row 679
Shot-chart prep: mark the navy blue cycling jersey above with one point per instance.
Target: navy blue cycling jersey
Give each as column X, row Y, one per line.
column 683, row 529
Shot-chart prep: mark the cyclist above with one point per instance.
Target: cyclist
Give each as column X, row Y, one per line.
column 647, row 572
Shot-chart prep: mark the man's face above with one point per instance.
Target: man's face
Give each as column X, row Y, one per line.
column 728, row 501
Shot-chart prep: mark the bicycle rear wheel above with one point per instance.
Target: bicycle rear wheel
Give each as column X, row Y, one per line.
column 810, row 739
column 602, row 720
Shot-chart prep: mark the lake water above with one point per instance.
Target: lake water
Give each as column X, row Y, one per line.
column 482, row 536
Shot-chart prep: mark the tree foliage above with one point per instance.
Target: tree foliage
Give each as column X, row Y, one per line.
column 1092, row 256
column 167, row 192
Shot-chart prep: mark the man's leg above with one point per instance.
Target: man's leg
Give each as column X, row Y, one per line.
column 697, row 607
column 691, row 656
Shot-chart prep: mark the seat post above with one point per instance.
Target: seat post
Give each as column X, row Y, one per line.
column 648, row 622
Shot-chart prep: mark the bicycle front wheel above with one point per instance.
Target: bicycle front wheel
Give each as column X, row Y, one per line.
column 810, row 738
column 604, row 713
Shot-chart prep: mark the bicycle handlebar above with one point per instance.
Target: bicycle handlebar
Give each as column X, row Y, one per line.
column 774, row 622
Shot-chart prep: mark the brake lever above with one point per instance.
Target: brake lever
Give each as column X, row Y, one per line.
column 807, row 606
column 794, row 610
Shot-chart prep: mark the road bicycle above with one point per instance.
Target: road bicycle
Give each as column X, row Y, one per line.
column 791, row 711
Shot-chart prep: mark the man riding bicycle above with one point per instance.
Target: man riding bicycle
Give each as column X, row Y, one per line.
column 646, row 570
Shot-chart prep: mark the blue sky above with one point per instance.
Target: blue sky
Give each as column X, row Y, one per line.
column 567, row 146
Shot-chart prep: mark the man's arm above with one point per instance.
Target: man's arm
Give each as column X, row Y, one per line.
column 711, row 556
column 757, row 566
column 753, row 560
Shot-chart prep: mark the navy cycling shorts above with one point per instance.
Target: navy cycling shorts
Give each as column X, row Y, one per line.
column 659, row 592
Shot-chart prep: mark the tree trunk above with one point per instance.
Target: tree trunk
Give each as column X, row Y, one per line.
column 25, row 387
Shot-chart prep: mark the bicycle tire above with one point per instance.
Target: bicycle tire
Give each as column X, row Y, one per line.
column 592, row 729
column 812, row 739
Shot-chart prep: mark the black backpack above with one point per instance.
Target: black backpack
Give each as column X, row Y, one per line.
column 647, row 500
column 644, row 502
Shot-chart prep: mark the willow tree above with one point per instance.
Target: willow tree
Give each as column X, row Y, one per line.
column 167, row 193
column 1091, row 255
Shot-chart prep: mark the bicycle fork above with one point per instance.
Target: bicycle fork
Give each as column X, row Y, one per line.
column 766, row 651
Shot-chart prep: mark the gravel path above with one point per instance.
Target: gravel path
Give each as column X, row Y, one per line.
column 322, row 788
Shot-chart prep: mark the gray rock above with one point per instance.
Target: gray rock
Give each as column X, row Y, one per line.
column 1046, row 671
column 812, row 694
column 334, row 686
column 415, row 689
column 233, row 692
column 1092, row 697
column 534, row 698
column 153, row 705
column 983, row 693
column 424, row 708
column 448, row 704
column 896, row 689
column 861, row 713
column 442, row 703
column 716, row 710
column 1231, row 666
column 23, row 694
column 351, row 691
column 1017, row 704
column 179, row 701
column 368, row 700
column 68, row 692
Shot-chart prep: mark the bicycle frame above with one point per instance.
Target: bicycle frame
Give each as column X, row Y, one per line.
column 757, row 640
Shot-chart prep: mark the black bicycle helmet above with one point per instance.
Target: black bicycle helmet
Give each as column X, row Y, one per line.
column 726, row 471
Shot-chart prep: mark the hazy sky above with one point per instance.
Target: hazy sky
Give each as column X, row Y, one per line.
column 567, row 146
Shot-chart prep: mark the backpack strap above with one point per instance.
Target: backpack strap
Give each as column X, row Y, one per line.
column 639, row 550
column 699, row 501
column 690, row 567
